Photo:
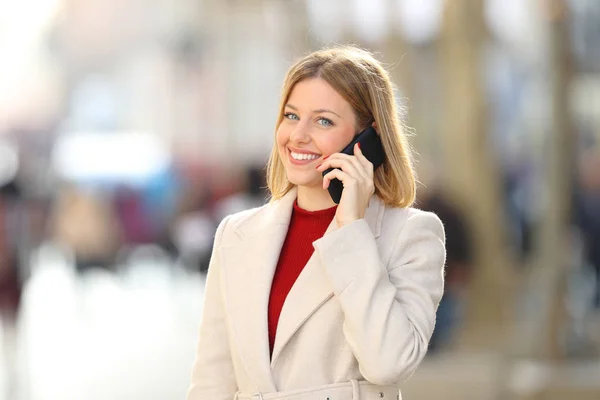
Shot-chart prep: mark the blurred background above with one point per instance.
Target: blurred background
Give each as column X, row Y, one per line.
column 129, row 128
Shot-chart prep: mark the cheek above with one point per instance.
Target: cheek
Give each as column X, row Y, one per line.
column 335, row 143
column 281, row 136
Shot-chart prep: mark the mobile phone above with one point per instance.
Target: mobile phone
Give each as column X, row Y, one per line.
column 371, row 147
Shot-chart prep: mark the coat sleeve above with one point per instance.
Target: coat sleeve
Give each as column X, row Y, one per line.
column 389, row 310
column 213, row 376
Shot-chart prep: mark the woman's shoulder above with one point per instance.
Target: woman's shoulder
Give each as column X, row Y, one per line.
column 407, row 212
column 413, row 217
column 244, row 215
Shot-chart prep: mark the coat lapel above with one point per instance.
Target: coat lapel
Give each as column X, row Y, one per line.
column 309, row 292
column 248, row 268
column 312, row 288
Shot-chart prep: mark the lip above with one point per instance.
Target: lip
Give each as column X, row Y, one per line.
column 302, row 151
column 300, row 162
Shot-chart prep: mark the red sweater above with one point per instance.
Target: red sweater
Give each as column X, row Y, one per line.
column 305, row 227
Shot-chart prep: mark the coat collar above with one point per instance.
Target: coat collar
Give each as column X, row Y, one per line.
column 280, row 211
column 248, row 267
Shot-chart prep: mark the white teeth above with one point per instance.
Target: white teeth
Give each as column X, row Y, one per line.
column 300, row 156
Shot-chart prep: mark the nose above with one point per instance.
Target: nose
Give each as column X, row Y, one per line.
column 300, row 134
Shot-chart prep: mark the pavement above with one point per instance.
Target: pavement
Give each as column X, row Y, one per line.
column 133, row 335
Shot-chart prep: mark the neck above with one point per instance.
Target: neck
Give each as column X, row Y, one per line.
column 314, row 198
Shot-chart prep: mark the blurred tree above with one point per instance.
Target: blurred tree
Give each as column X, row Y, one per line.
column 546, row 284
column 397, row 55
column 410, row 48
column 553, row 253
column 469, row 170
column 300, row 29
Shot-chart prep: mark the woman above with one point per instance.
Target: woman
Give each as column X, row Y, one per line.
column 361, row 280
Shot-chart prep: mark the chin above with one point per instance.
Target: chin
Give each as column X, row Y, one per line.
column 304, row 180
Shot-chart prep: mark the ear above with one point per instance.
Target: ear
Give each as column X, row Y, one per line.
column 374, row 125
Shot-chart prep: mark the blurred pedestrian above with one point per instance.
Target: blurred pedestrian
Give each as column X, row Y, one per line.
column 251, row 195
column 12, row 275
column 458, row 263
column 587, row 214
column 85, row 224
column 10, row 266
column 192, row 228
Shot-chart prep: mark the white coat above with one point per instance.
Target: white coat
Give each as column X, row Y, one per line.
column 355, row 324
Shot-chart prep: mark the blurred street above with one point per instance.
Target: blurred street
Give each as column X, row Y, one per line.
column 106, row 336
column 129, row 130
column 133, row 335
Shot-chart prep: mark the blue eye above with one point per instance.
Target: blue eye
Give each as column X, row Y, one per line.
column 325, row 121
column 291, row 116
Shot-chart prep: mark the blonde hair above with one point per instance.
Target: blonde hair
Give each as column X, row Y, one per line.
column 363, row 82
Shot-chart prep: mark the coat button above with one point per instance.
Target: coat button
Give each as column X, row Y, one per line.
column 381, row 395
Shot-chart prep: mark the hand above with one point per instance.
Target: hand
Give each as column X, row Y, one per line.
column 356, row 174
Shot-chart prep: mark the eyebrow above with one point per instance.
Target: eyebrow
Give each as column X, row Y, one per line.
column 320, row 110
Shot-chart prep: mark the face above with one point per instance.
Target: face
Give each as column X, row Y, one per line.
column 317, row 122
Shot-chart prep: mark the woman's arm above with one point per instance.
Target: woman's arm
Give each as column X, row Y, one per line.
column 389, row 312
column 212, row 375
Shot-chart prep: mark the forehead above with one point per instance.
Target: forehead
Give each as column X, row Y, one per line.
column 315, row 93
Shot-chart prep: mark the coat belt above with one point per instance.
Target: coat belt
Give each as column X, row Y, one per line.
column 352, row 390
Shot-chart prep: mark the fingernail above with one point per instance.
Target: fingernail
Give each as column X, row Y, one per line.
column 325, row 158
column 318, row 166
column 358, row 144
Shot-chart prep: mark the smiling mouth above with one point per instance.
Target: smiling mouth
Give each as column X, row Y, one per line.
column 303, row 156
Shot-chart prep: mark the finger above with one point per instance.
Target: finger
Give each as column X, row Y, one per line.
column 345, row 164
column 364, row 161
column 346, row 179
column 349, row 164
column 366, row 167
column 341, row 156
